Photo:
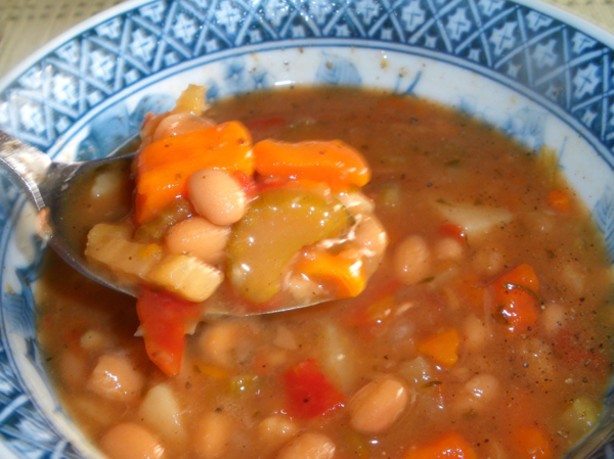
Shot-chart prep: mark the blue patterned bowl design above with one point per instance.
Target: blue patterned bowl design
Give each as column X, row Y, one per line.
column 542, row 76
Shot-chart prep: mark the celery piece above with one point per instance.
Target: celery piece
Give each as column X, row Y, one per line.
column 110, row 245
column 277, row 225
column 581, row 416
column 155, row 229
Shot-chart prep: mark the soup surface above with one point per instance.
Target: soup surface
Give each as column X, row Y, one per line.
column 484, row 332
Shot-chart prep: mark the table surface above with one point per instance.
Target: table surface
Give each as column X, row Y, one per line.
column 26, row 25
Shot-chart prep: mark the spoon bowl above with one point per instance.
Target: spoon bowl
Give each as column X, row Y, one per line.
column 49, row 184
column 46, row 184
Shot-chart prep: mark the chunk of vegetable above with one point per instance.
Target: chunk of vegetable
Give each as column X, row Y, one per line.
column 442, row 347
column 161, row 410
column 515, row 296
column 531, row 442
column 473, row 220
column 309, row 393
column 333, row 162
column 186, row 276
column 276, row 226
column 192, row 100
column 165, row 166
column 343, row 274
column 111, row 246
column 581, row 416
column 448, row 446
column 165, row 320
column 155, row 228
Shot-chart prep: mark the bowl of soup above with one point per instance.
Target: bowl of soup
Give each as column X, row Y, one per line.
column 441, row 172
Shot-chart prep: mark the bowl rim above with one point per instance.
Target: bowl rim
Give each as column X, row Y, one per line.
column 566, row 18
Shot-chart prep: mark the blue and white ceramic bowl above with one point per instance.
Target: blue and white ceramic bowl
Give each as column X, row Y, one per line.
column 542, row 76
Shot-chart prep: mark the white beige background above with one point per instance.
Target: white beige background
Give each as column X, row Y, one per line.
column 26, row 25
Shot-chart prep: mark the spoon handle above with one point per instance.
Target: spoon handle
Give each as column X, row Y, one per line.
column 28, row 165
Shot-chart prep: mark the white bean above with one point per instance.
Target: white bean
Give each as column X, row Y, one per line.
column 213, row 435
column 377, row 405
column 488, row 260
column 412, row 260
column 131, row 441
column 226, row 343
column 275, row 430
column 478, row 393
column 94, row 340
column 115, row 378
column 449, row 249
column 309, row 445
column 217, row 196
column 196, row 236
column 179, row 123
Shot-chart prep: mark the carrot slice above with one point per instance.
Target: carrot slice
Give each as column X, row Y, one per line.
column 332, row 161
column 448, row 446
column 515, row 295
column 345, row 274
column 531, row 442
column 165, row 166
column 442, row 347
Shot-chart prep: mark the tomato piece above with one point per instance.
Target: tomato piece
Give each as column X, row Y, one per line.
column 309, row 393
column 453, row 231
column 576, row 350
column 164, row 319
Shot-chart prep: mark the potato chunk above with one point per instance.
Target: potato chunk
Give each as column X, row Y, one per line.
column 186, row 276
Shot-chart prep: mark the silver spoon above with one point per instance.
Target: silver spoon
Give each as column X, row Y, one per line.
column 46, row 182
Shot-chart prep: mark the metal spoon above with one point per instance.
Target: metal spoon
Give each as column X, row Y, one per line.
column 46, row 182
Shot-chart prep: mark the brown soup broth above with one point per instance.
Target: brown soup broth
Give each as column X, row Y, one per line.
column 426, row 160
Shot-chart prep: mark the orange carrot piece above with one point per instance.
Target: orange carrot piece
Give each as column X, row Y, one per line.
column 165, row 166
column 522, row 275
column 442, row 347
column 531, row 442
column 449, row 446
column 344, row 274
column 515, row 296
column 559, row 200
column 332, row 161
column 470, row 291
column 374, row 307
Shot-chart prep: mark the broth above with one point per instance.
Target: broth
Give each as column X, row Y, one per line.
column 417, row 361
